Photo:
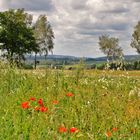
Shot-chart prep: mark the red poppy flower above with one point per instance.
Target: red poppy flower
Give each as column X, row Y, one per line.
column 108, row 134
column 43, row 109
column 114, row 129
column 40, row 102
column 55, row 102
column 25, row 105
column 73, row 130
column 69, row 94
column 62, row 129
column 32, row 99
column 37, row 108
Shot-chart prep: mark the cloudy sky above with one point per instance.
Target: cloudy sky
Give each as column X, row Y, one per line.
column 77, row 24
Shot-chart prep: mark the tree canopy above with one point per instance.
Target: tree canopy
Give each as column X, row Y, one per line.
column 110, row 47
column 135, row 43
column 16, row 36
column 44, row 34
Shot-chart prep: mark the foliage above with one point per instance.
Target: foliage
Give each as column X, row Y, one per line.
column 132, row 65
column 120, row 66
column 110, row 47
column 16, row 36
column 44, row 36
column 27, row 66
column 100, row 66
column 135, row 43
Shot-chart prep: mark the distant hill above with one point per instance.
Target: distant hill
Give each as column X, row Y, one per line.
column 132, row 57
column 62, row 57
column 64, row 60
column 73, row 58
column 127, row 58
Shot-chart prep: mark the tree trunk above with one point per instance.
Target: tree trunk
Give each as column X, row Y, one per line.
column 10, row 58
column 45, row 56
column 35, row 61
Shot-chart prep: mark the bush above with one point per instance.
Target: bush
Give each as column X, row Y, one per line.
column 27, row 66
column 137, row 65
column 125, row 66
column 100, row 66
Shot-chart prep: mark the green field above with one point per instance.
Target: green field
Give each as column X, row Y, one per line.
column 69, row 105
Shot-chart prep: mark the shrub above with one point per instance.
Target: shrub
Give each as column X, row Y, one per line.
column 27, row 66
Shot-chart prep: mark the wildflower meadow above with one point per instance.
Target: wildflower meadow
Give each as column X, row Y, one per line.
column 69, row 104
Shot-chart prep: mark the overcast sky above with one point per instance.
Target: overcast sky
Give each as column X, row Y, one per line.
column 77, row 24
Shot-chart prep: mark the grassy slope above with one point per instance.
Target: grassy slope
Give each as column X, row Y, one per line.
column 101, row 102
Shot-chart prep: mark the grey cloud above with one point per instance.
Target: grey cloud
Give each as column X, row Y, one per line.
column 118, row 10
column 79, row 5
column 30, row 5
column 136, row 0
column 103, row 25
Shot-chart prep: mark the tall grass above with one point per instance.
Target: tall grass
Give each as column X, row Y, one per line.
column 101, row 106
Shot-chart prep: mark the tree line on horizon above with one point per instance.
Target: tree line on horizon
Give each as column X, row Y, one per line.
column 19, row 36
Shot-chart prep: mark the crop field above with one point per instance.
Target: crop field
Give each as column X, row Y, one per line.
column 69, row 105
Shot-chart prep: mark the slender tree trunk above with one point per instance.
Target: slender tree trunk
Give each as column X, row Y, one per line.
column 108, row 58
column 20, row 61
column 108, row 61
column 45, row 56
column 35, row 61
column 46, row 59
column 10, row 58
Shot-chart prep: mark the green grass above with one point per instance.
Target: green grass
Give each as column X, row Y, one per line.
column 101, row 102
